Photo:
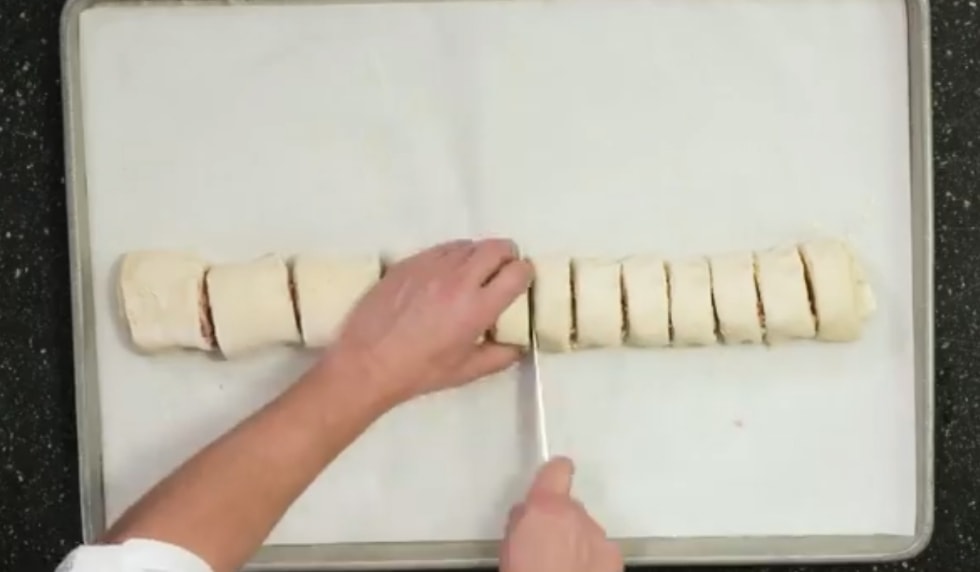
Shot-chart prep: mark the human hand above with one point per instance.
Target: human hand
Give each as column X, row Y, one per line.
column 552, row 532
column 416, row 331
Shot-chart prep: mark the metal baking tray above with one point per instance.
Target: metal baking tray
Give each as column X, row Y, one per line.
column 659, row 551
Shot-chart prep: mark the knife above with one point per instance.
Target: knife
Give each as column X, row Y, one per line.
column 534, row 373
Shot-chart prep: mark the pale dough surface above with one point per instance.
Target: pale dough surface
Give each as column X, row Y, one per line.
column 647, row 303
column 735, row 297
column 513, row 327
column 552, row 292
column 598, row 308
column 691, row 314
column 161, row 296
column 840, row 293
column 251, row 305
column 327, row 288
column 782, row 289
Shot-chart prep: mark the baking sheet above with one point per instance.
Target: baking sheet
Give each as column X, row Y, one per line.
column 583, row 127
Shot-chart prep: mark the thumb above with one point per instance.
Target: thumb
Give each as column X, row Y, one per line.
column 487, row 358
column 554, row 478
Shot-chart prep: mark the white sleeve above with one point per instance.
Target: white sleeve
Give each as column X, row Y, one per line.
column 134, row 555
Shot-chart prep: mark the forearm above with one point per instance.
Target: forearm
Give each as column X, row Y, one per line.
column 224, row 501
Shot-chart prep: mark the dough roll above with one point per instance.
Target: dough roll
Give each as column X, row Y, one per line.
column 552, row 295
column 598, row 303
column 326, row 289
column 813, row 290
column 251, row 305
column 842, row 298
column 784, row 296
column 692, row 317
column 163, row 300
column 647, row 304
column 736, row 301
column 513, row 327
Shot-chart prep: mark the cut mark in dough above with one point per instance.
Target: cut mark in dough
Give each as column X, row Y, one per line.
column 624, row 306
column 163, row 300
column 841, row 297
column 646, row 301
column 782, row 289
column 670, row 296
column 808, row 282
column 207, row 321
column 327, row 289
column 573, row 307
column 294, row 295
column 735, row 295
column 598, row 303
column 513, row 327
column 386, row 263
column 532, row 311
column 690, row 303
column 251, row 305
column 760, row 309
column 553, row 304
column 719, row 336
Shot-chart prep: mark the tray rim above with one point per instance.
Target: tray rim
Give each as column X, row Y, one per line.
column 657, row 551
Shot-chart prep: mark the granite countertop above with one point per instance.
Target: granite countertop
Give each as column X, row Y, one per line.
column 39, row 517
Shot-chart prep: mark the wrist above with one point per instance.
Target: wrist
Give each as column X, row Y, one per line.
column 348, row 381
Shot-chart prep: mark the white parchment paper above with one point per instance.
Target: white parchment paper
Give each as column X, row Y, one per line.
column 593, row 128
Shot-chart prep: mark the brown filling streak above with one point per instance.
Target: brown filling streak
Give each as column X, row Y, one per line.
column 714, row 305
column 206, row 317
column 385, row 263
column 624, row 324
column 294, row 296
column 809, row 291
column 573, row 335
column 670, row 298
column 760, row 310
column 531, row 322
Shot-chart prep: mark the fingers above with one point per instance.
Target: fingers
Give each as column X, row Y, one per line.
column 487, row 359
column 455, row 257
column 555, row 478
column 486, row 258
column 511, row 280
column 447, row 248
column 478, row 261
column 436, row 253
column 514, row 517
column 613, row 556
column 498, row 277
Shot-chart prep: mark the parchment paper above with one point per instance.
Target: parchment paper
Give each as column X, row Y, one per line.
column 592, row 128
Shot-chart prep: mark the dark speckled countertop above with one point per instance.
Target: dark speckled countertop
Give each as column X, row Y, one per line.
column 39, row 520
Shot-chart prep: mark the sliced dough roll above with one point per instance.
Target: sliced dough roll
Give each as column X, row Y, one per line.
column 842, row 297
column 644, row 283
column 691, row 314
column 163, row 300
column 326, row 289
column 251, row 305
column 735, row 298
column 552, row 293
column 783, row 292
column 598, row 303
column 513, row 327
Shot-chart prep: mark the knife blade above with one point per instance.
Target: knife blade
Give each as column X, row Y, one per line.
column 534, row 373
